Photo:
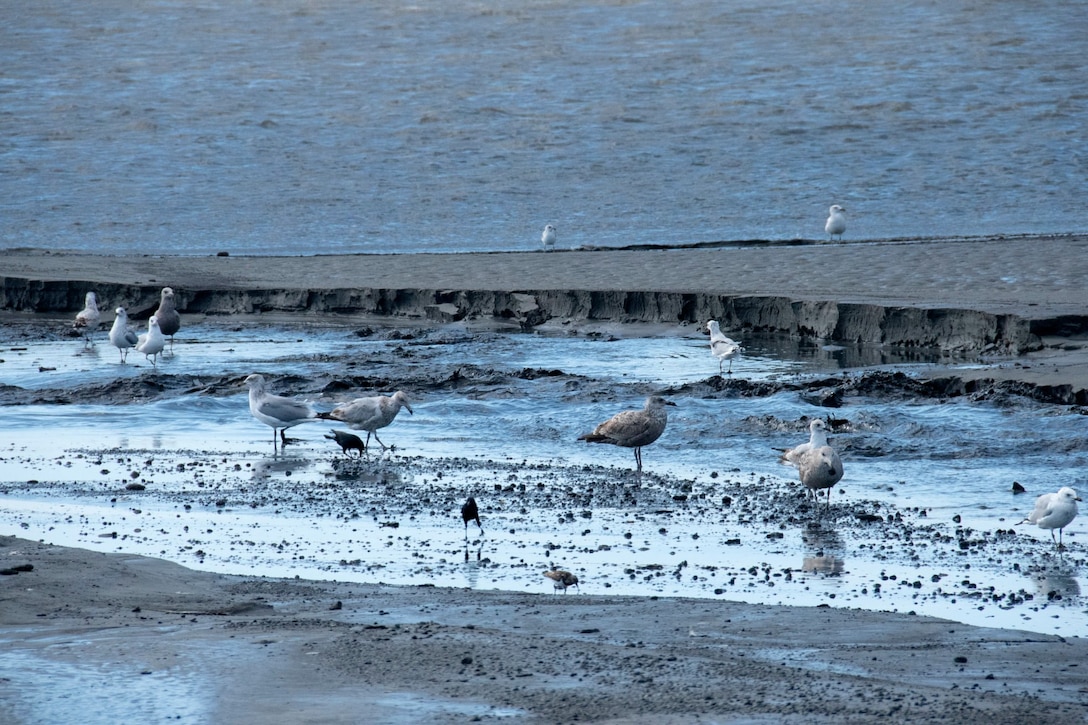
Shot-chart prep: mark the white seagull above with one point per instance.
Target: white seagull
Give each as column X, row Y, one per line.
column 836, row 221
column 120, row 336
column 722, row 347
column 1054, row 511
column 820, row 468
column 817, row 438
column 633, row 428
column 548, row 237
column 275, row 410
column 88, row 318
column 370, row 414
column 167, row 315
column 151, row 343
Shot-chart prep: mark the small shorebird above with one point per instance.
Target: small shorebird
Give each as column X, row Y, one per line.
column 1054, row 511
column 817, row 438
column 152, row 342
column 820, row 468
column 88, row 318
column 167, row 315
column 562, row 579
column 722, row 347
column 120, row 336
column 836, row 221
column 547, row 238
column 347, row 442
column 470, row 512
column 275, row 410
column 370, row 414
column 633, row 428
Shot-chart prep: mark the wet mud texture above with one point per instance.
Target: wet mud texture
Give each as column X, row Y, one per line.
column 280, row 649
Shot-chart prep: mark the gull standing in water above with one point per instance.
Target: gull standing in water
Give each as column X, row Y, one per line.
column 1054, row 511
column 167, row 315
column 275, row 410
column 633, row 428
column 548, row 237
column 88, row 318
column 820, row 468
column 836, row 221
column 370, row 414
column 120, row 336
column 817, row 438
column 722, row 347
column 151, row 343
column 562, row 579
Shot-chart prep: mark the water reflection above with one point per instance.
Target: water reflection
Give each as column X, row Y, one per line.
column 823, row 551
column 1057, row 580
column 268, row 467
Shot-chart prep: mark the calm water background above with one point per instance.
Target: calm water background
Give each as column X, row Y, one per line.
column 275, row 127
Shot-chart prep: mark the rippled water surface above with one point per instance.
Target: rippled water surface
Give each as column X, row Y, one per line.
column 497, row 416
column 279, row 127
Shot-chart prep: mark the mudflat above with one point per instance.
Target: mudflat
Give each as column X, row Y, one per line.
column 110, row 636
column 251, row 649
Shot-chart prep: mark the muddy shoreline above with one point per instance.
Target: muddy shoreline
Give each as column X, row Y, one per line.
column 307, row 648
column 336, row 650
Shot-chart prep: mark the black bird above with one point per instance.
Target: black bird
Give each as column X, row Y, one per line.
column 348, row 442
column 469, row 512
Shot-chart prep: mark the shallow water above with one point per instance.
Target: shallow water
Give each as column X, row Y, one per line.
column 339, row 126
column 496, row 416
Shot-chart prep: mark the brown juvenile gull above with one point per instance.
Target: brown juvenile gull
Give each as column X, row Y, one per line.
column 151, row 343
column 370, row 414
column 722, row 347
column 562, row 579
column 633, row 428
column 817, row 438
column 820, row 468
column 167, row 315
column 469, row 512
column 836, row 221
column 347, row 442
column 88, row 318
column 275, row 410
column 1054, row 511
column 120, row 336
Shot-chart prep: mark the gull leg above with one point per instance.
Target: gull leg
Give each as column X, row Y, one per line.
column 379, row 441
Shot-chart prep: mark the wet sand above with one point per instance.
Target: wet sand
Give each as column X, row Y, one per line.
column 290, row 650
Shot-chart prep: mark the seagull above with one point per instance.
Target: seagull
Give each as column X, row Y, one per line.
column 836, row 221
column 347, row 442
column 562, row 579
column 167, row 315
column 817, row 439
column 470, row 512
column 1054, row 511
column 633, row 428
column 722, row 347
column 820, row 468
column 152, row 343
column 120, row 336
column 369, row 414
column 87, row 319
column 547, row 238
column 275, row 410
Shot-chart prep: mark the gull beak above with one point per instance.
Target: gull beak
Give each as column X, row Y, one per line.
column 409, row 408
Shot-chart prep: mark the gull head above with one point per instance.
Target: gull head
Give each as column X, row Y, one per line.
column 836, row 209
column 402, row 398
column 1068, row 494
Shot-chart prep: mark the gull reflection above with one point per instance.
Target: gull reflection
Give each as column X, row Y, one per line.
column 1056, row 581
column 823, row 549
